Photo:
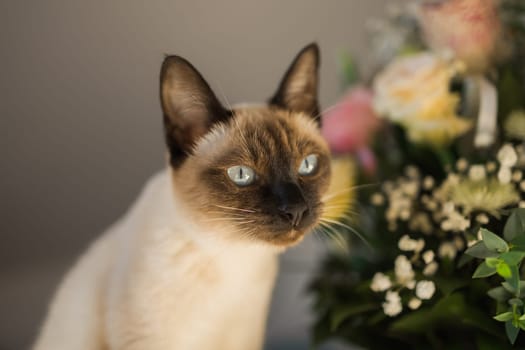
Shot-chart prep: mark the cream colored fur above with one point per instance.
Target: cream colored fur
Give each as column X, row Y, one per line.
column 156, row 280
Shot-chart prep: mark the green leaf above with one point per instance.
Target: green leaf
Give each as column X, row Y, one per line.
column 479, row 250
column 504, row 270
column 521, row 323
column 512, row 332
column 515, row 225
column 516, row 301
column 513, row 257
column 504, row 317
column 465, row 259
column 343, row 313
column 493, row 241
column 451, row 310
column 514, row 279
column 518, row 243
column 484, row 270
column 499, row 294
column 349, row 69
column 492, row 262
column 509, row 288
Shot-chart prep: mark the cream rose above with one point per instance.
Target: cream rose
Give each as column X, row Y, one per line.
column 413, row 91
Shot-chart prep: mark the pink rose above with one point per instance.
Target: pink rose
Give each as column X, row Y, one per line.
column 349, row 126
column 470, row 28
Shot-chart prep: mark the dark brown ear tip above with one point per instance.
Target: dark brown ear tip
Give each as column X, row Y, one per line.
column 312, row 48
column 171, row 60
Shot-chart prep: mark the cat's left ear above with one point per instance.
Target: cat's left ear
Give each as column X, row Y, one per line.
column 189, row 106
column 298, row 88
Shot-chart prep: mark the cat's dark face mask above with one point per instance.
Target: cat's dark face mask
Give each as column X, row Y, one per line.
column 258, row 173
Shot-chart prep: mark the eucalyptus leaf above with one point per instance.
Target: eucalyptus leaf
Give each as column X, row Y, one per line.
column 479, row 250
column 465, row 259
column 493, row 241
column 504, row 270
column 504, row 317
column 499, row 294
column 492, row 262
column 518, row 243
column 516, row 301
column 484, row 270
column 514, row 279
column 512, row 332
column 515, row 225
column 508, row 287
column 512, row 257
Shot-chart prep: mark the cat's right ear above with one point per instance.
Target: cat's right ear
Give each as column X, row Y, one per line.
column 189, row 106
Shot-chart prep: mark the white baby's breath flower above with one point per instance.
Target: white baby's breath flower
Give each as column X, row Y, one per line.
column 380, row 282
column 410, row 188
column 447, row 250
column 521, row 204
column 472, row 242
column 414, row 303
column 428, row 182
column 420, row 244
column 407, row 244
column 458, row 242
column 377, row 199
column 425, row 289
column 448, row 208
column 412, row 172
column 454, row 221
column 430, row 269
column 479, row 236
column 507, row 156
column 482, row 219
column 392, row 306
column 411, row 285
column 428, row 256
column 504, row 175
column 403, row 270
column 404, row 214
column 491, row 167
column 517, row 176
column 462, row 164
column 477, row 172
column 420, row 222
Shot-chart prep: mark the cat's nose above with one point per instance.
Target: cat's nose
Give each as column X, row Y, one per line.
column 293, row 213
column 290, row 202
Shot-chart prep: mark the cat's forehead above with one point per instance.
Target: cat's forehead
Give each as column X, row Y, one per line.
column 263, row 122
column 261, row 130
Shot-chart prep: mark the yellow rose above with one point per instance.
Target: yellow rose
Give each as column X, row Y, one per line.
column 413, row 91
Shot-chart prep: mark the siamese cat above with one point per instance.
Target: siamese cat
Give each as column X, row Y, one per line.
column 192, row 264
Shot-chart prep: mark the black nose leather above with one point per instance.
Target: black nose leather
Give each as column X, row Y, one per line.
column 291, row 203
column 293, row 213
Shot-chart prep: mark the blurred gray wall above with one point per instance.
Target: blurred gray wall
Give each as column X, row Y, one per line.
column 81, row 124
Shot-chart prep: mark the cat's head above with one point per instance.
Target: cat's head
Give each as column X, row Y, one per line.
column 252, row 173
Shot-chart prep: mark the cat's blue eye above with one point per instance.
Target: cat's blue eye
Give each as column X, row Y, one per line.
column 241, row 175
column 308, row 165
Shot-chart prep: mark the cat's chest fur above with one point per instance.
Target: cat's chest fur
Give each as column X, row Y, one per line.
column 198, row 286
column 149, row 283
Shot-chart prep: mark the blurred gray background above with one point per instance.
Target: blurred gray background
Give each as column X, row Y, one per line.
column 81, row 123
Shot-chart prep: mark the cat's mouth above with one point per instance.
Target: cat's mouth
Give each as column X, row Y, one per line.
column 284, row 234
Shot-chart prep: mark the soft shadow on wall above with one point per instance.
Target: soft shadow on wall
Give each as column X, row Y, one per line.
column 82, row 125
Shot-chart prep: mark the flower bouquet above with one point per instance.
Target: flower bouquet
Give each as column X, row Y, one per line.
column 437, row 125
